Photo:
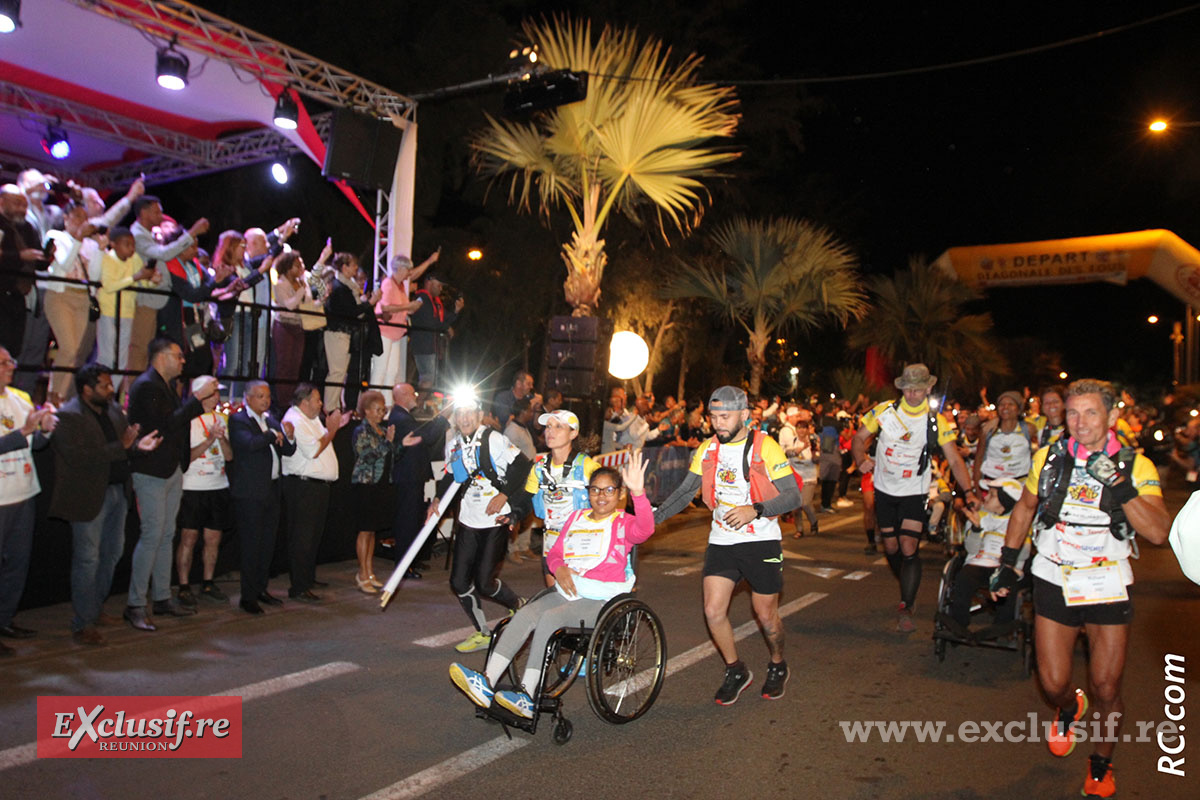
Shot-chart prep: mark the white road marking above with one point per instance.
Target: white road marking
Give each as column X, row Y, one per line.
column 879, row 562
column 798, row 556
column 453, row 637
column 821, row 572
column 855, row 576
column 679, row 573
column 454, row 768
column 26, row 753
column 450, row 769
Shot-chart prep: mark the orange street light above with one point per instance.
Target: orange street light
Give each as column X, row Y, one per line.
column 1062, row 376
column 1152, row 319
column 1158, row 126
column 475, row 254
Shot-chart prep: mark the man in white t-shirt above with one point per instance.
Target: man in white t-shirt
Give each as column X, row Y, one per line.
column 205, row 505
column 308, row 478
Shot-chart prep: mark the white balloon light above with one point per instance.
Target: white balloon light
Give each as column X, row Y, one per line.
column 628, row 355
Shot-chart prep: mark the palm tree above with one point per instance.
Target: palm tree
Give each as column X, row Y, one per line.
column 638, row 141
column 918, row 317
column 775, row 275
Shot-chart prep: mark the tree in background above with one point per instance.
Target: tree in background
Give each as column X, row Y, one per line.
column 773, row 276
column 918, row 315
column 639, row 142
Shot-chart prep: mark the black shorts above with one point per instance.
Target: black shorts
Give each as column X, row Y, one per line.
column 760, row 563
column 208, row 509
column 1048, row 602
column 891, row 511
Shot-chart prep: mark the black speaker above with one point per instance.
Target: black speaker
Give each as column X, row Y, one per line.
column 545, row 90
column 362, row 150
column 574, row 355
column 575, row 382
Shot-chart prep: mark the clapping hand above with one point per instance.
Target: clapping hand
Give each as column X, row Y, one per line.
column 410, row 440
column 130, row 435
column 289, row 430
column 391, row 433
column 149, row 442
column 633, row 473
column 278, row 438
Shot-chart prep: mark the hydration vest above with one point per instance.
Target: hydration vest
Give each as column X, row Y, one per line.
column 931, row 437
column 754, row 471
column 483, row 461
column 573, row 480
column 1055, row 480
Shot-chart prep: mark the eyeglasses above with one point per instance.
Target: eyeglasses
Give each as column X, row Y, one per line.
column 607, row 491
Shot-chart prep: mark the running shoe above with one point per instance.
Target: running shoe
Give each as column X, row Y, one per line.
column 1099, row 781
column 904, row 622
column 473, row 685
column 210, row 591
column 870, row 550
column 476, row 641
column 777, row 678
column 1061, row 739
column 737, row 680
column 842, row 502
column 518, row 703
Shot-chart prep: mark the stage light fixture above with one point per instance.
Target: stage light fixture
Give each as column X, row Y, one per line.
column 10, row 15
column 171, row 68
column 286, row 114
column 279, row 171
column 55, row 142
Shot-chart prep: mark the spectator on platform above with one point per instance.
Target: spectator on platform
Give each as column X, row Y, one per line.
column 287, row 332
column 120, row 268
column 308, row 477
column 27, row 429
column 77, row 257
column 345, row 310
column 504, row 402
column 92, row 486
column 427, row 324
column 205, row 505
column 20, row 254
column 260, row 442
column 393, row 307
column 154, row 405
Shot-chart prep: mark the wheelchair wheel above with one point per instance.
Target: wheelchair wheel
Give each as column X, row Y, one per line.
column 561, row 668
column 563, row 730
column 627, row 661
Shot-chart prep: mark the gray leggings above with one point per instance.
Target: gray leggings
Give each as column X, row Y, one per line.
column 541, row 617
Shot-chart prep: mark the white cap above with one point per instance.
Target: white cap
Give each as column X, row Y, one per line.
column 199, row 382
column 562, row 415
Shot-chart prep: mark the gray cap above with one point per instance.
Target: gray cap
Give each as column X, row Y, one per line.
column 728, row 398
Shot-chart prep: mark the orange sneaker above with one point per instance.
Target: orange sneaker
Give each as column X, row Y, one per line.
column 1061, row 738
column 1102, row 786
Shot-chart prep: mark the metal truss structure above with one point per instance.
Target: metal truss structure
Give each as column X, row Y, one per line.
column 173, row 156
column 255, row 54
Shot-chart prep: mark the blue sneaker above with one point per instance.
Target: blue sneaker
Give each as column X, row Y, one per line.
column 518, row 703
column 473, row 685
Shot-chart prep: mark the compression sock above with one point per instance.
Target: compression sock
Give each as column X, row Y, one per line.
column 871, row 536
column 910, row 579
column 893, row 560
column 505, row 596
column 470, row 603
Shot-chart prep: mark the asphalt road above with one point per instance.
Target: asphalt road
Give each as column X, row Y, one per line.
column 343, row 701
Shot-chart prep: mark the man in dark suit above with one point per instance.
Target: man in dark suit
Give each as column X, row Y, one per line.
column 259, row 443
column 410, row 472
column 92, row 485
column 158, row 478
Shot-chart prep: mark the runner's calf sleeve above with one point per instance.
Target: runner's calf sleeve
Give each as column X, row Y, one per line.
column 870, row 536
column 910, row 579
column 893, row 560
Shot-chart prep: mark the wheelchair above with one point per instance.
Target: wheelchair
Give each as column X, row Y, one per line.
column 1016, row 636
column 623, row 659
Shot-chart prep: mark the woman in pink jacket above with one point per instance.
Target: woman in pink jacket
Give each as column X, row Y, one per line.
column 590, row 562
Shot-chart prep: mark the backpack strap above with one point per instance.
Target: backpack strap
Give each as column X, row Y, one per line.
column 483, row 457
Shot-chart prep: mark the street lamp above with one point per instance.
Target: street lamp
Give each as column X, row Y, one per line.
column 1062, row 376
column 1152, row 319
column 1162, row 125
column 474, row 254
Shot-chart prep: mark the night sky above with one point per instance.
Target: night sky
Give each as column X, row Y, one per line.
column 1047, row 145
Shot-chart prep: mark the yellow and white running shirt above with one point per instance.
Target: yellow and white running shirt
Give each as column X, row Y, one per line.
column 1008, row 455
column 732, row 489
column 18, row 476
column 1082, row 536
column 902, row 432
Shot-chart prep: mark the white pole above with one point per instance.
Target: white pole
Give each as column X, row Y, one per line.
column 393, row 582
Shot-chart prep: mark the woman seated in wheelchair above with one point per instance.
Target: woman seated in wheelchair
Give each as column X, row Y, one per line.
column 985, row 537
column 590, row 562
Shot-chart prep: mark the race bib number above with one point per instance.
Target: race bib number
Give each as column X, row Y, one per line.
column 582, row 545
column 991, row 545
column 1092, row 584
column 891, row 424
